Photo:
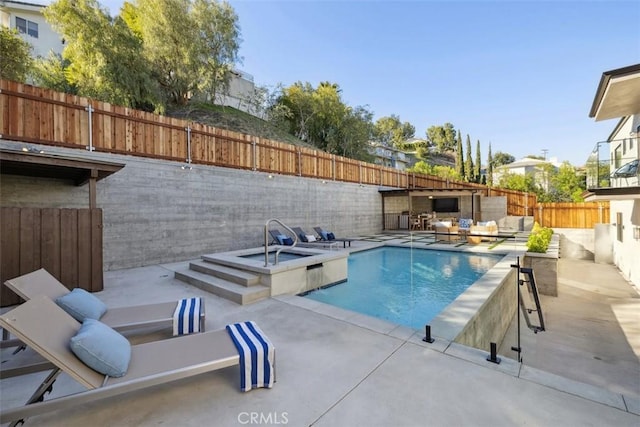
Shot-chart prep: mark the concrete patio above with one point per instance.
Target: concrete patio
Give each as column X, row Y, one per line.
column 339, row 368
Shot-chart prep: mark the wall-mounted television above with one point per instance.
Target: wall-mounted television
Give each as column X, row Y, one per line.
column 445, row 204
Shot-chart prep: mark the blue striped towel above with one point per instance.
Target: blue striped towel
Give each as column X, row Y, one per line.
column 186, row 318
column 257, row 355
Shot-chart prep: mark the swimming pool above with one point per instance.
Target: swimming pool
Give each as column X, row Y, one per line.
column 405, row 286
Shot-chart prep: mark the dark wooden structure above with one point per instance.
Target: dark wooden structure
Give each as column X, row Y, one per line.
column 66, row 242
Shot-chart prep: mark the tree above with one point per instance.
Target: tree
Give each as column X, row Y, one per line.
column 298, row 99
column 219, row 37
column 501, row 158
column 519, row 182
column 459, row 157
column 102, row 58
column 15, row 55
column 51, row 72
column 353, row 134
column 170, row 39
column 443, row 138
column 319, row 117
column 477, row 171
column 490, row 162
column 391, row 132
column 436, row 170
column 566, row 185
column 468, row 165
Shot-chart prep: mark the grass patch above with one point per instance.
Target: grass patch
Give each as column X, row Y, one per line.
column 496, row 243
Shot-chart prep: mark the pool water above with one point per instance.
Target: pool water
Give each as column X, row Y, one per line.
column 405, row 286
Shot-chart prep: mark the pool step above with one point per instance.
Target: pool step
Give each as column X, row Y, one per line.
column 234, row 275
column 223, row 288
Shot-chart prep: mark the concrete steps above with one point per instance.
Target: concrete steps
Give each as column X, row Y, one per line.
column 230, row 274
column 232, row 291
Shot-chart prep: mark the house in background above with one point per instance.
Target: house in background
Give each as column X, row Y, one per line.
column 388, row 156
column 242, row 94
column 618, row 96
column 28, row 19
column 528, row 166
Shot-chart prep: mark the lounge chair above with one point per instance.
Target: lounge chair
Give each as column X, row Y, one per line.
column 327, row 236
column 276, row 235
column 310, row 239
column 151, row 364
column 41, row 282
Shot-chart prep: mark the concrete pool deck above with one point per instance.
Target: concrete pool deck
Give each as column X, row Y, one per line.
column 339, row 368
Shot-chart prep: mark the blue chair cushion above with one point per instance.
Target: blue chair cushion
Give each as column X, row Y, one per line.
column 287, row 241
column 303, row 237
column 82, row 305
column 324, row 235
column 331, row 236
column 281, row 238
column 101, row 348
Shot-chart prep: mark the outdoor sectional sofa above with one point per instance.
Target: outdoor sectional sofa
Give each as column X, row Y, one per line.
column 478, row 232
column 446, row 231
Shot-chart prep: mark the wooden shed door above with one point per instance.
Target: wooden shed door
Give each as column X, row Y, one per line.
column 65, row 242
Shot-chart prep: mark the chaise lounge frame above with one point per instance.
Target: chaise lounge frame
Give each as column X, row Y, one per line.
column 151, row 363
column 41, row 282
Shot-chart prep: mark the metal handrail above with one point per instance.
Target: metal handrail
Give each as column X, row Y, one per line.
column 266, row 240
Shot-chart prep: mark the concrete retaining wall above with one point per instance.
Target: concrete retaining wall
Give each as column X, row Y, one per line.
column 493, row 208
column 576, row 243
column 483, row 313
column 157, row 212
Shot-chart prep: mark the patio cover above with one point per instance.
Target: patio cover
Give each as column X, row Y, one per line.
column 75, row 169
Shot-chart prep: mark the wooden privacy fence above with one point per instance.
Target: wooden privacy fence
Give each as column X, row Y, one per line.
column 37, row 115
column 66, row 242
column 572, row 215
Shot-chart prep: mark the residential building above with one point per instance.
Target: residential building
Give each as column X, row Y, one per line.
column 618, row 96
column 242, row 94
column 28, row 19
column 388, row 156
column 536, row 168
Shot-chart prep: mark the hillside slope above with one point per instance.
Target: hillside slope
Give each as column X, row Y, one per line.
column 230, row 118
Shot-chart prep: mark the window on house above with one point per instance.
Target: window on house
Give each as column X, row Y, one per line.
column 617, row 156
column 21, row 25
column 25, row 26
column 32, row 29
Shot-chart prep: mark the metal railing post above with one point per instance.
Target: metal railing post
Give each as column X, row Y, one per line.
column 90, row 110
column 188, row 129
column 254, row 149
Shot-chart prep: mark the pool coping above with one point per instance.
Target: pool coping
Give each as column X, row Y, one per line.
column 234, row 258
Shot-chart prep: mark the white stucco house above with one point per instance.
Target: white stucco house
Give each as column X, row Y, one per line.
column 528, row 166
column 28, row 19
column 618, row 97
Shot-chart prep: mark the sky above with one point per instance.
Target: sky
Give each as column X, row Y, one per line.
column 519, row 75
